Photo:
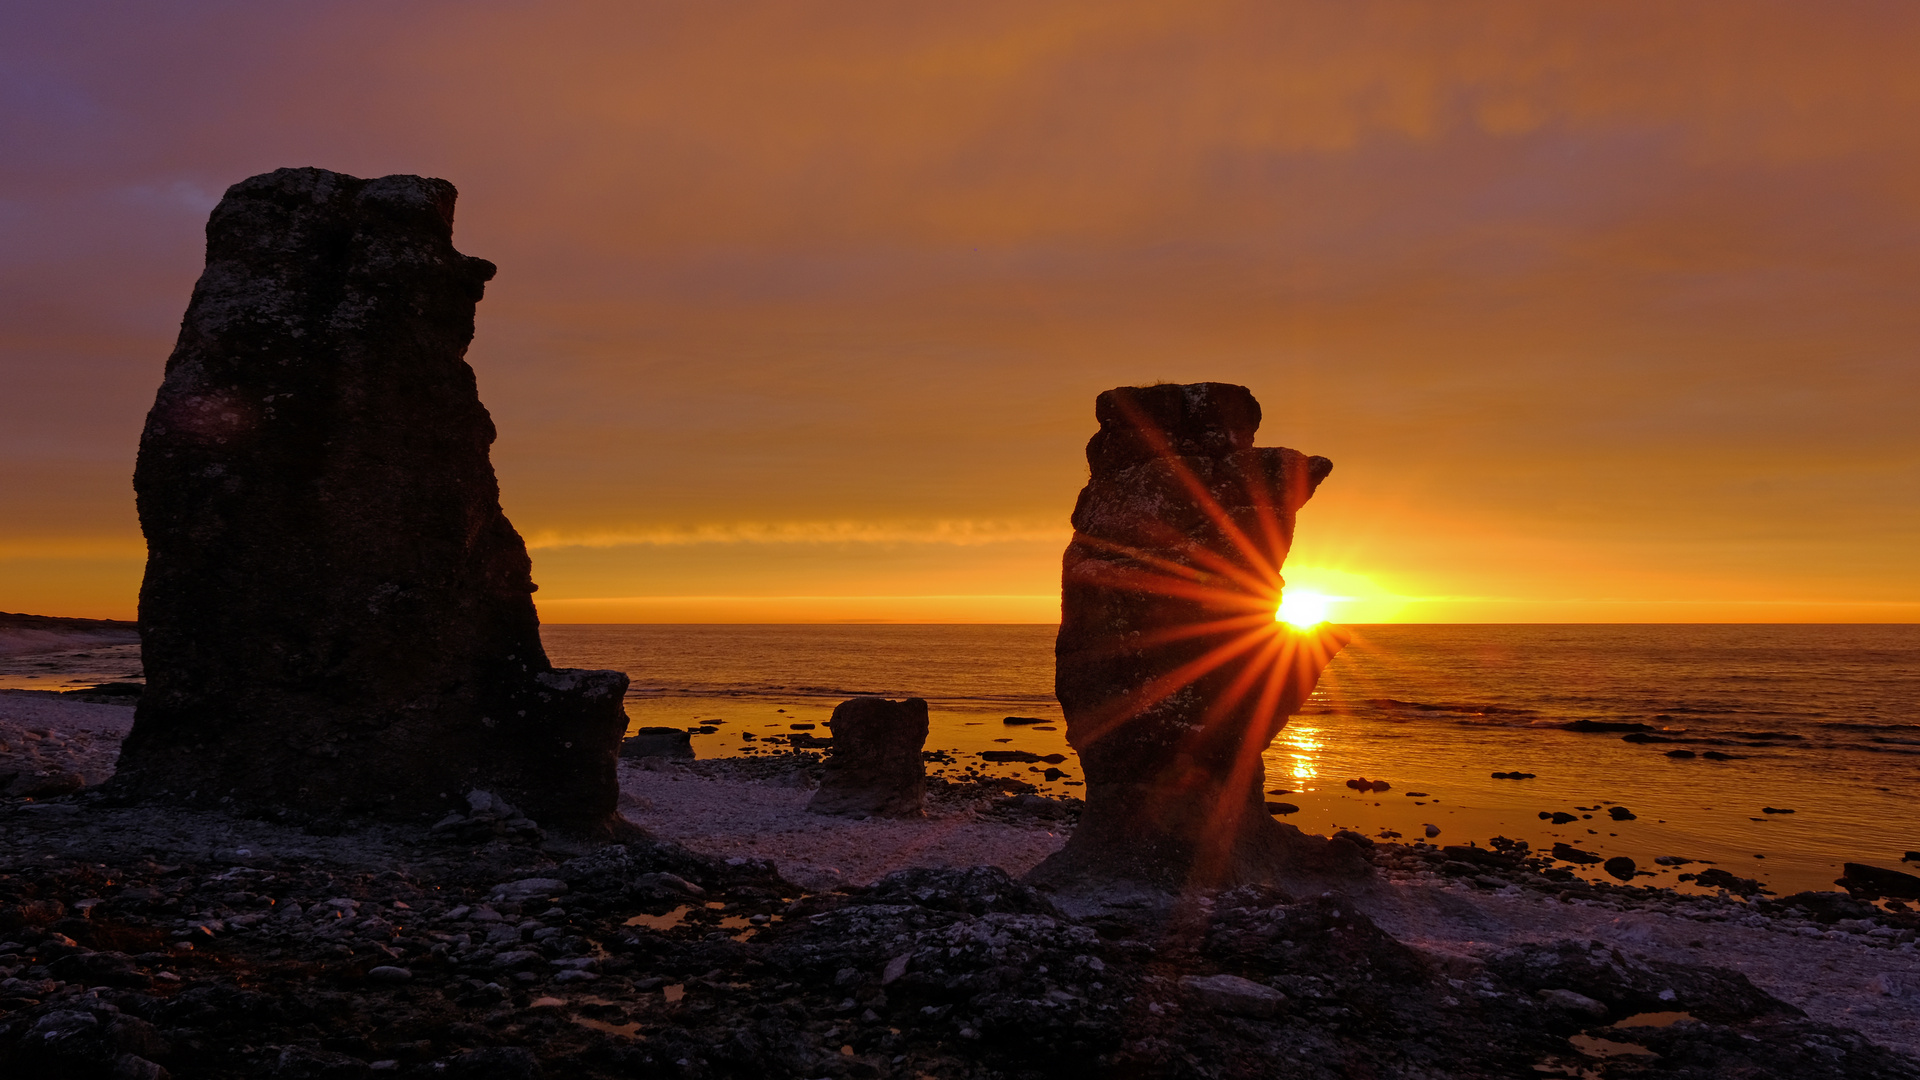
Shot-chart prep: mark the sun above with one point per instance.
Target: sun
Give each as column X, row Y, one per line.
column 1303, row 609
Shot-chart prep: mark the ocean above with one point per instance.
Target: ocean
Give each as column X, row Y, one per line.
column 1740, row 723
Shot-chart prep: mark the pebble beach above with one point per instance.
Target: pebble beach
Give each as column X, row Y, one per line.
column 1849, row 965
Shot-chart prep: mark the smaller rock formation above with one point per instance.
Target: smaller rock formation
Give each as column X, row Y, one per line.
column 658, row 742
column 875, row 768
column 1171, row 665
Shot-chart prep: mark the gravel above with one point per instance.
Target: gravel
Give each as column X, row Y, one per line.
column 807, row 946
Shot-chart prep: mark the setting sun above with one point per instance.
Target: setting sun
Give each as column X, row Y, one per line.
column 1303, row 609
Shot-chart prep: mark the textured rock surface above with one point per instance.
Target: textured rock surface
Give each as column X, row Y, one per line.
column 336, row 616
column 875, row 767
column 1170, row 666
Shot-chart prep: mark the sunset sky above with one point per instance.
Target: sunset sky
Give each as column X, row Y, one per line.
column 1603, row 311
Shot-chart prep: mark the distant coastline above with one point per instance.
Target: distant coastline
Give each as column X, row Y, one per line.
column 27, row 635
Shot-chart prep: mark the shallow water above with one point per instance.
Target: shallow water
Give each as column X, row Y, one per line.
column 1820, row 720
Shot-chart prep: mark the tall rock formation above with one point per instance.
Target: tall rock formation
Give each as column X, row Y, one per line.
column 337, row 617
column 1170, row 665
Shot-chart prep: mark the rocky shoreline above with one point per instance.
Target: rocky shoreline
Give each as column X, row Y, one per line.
column 137, row 942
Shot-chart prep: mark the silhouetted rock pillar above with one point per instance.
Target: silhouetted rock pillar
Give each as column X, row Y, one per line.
column 875, row 767
column 1170, row 665
column 336, row 617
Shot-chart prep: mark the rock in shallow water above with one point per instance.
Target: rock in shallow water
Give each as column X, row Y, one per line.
column 337, row 617
column 658, row 742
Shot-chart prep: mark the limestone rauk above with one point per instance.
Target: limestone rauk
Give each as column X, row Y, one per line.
column 1170, row 666
column 337, row 617
column 875, row 767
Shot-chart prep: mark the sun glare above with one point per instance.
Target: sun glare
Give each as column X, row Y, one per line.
column 1303, row 609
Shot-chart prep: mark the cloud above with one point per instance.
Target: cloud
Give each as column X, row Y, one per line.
column 1629, row 281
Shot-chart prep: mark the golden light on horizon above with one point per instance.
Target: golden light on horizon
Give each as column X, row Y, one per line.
column 1304, row 609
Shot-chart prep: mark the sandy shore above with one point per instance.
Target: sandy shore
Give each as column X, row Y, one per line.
column 1862, row 974
column 730, row 818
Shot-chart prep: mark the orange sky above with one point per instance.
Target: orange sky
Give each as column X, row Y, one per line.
column 1603, row 311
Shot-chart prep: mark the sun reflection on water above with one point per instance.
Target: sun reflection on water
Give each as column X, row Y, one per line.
column 1302, row 746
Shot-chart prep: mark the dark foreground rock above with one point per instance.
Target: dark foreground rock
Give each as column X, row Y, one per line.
column 876, row 766
column 386, row 953
column 1171, row 667
column 337, row 617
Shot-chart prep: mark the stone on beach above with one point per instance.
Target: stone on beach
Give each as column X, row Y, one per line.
column 1233, row 995
column 659, row 742
column 337, row 617
column 1170, row 665
column 1573, row 1002
column 875, row 768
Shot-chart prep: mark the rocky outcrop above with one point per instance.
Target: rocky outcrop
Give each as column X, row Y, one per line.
column 337, row 617
column 875, row 768
column 1170, row 665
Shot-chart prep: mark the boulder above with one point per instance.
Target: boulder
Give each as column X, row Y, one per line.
column 875, row 767
column 337, row 618
column 1716, row 878
column 1170, row 664
column 658, row 742
column 1569, row 853
column 1879, row 881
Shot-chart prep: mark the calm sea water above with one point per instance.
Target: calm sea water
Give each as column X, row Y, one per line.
column 1820, row 720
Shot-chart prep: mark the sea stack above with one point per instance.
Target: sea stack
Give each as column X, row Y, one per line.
column 337, row 617
column 1171, row 667
column 875, row 768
